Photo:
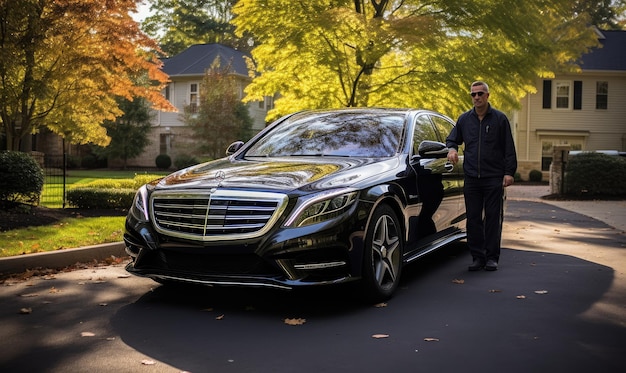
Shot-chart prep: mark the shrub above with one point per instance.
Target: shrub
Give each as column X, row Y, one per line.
column 184, row 161
column 21, row 178
column 163, row 161
column 89, row 161
column 517, row 177
column 133, row 183
column 535, row 175
column 94, row 198
column 142, row 179
column 595, row 174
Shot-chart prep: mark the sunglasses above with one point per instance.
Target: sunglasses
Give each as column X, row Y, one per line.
column 473, row 94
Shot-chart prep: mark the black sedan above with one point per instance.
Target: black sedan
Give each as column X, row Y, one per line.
column 318, row 197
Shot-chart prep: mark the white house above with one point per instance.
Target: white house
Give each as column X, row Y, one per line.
column 186, row 70
column 586, row 110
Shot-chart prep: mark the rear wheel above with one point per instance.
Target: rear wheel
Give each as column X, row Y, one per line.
column 382, row 262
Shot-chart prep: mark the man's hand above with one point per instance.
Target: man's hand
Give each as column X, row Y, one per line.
column 508, row 179
column 453, row 156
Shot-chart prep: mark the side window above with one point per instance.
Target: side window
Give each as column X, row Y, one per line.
column 444, row 127
column 424, row 130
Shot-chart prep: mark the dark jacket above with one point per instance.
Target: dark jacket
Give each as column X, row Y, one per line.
column 489, row 148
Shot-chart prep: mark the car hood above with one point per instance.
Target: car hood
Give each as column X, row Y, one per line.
column 279, row 174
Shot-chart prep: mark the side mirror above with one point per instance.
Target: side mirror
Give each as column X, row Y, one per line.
column 232, row 148
column 432, row 149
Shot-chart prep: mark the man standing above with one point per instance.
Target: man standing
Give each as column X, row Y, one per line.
column 489, row 164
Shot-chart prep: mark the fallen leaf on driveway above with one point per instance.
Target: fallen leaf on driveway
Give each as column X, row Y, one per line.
column 521, row 297
column 220, row 317
column 87, row 334
column 380, row 336
column 295, row 321
column 26, row 311
column 431, row 339
column 147, row 362
column 458, row 281
column 380, row 305
column 541, row 292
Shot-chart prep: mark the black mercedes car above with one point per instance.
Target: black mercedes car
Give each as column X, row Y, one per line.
column 318, row 197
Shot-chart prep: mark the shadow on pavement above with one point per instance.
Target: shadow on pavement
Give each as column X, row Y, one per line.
column 526, row 317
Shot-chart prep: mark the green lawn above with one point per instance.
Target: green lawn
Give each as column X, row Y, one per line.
column 71, row 232
column 66, row 234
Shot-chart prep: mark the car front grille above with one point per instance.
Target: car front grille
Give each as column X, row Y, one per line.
column 219, row 215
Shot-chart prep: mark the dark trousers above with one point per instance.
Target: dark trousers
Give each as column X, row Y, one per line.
column 484, row 205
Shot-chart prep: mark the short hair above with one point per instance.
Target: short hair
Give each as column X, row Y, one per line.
column 478, row 82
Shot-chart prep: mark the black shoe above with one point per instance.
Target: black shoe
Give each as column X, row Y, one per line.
column 492, row 265
column 477, row 265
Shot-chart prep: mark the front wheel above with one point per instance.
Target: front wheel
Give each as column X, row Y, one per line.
column 382, row 262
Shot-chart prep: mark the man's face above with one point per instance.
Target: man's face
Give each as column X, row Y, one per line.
column 480, row 97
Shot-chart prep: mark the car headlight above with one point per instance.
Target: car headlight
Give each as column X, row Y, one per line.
column 139, row 209
column 322, row 207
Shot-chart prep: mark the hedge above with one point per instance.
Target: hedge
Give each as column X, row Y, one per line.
column 107, row 193
column 595, row 175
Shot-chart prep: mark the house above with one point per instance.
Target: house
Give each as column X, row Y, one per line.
column 585, row 110
column 186, row 70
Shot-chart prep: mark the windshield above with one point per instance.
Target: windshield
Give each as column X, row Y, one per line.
column 344, row 134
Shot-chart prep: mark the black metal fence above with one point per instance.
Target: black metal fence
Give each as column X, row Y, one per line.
column 55, row 171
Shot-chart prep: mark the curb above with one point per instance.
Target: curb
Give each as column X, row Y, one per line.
column 61, row 258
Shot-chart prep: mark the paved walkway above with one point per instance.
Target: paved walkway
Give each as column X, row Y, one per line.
column 612, row 213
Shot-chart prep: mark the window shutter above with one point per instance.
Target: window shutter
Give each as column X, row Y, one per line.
column 547, row 94
column 578, row 94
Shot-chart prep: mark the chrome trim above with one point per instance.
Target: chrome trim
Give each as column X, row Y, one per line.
column 319, row 265
column 211, row 216
column 221, row 283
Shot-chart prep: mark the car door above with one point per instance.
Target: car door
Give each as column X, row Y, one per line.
column 453, row 178
column 429, row 173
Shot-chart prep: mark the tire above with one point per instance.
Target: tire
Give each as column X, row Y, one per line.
column 382, row 257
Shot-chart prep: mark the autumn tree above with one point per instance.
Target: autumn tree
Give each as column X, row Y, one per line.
column 219, row 117
column 63, row 64
column 128, row 132
column 416, row 53
column 178, row 24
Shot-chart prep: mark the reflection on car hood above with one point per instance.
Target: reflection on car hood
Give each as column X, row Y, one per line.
column 279, row 174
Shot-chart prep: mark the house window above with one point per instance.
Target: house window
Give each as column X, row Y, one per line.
column 563, row 90
column 269, row 102
column 602, row 95
column 167, row 92
column 193, row 97
column 165, row 143
column 261, row 104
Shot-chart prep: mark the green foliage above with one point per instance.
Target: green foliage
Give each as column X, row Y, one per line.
column 320, row 54
column 107, row 193
column 177, row 24
column 220, row 117
column 185, row 160
column 95, row 198
column 535, row 175
column 21, row 178
column 517, row 177
column 133, row 183
column 129, row 132
column 595, row 174
column 163, row 161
